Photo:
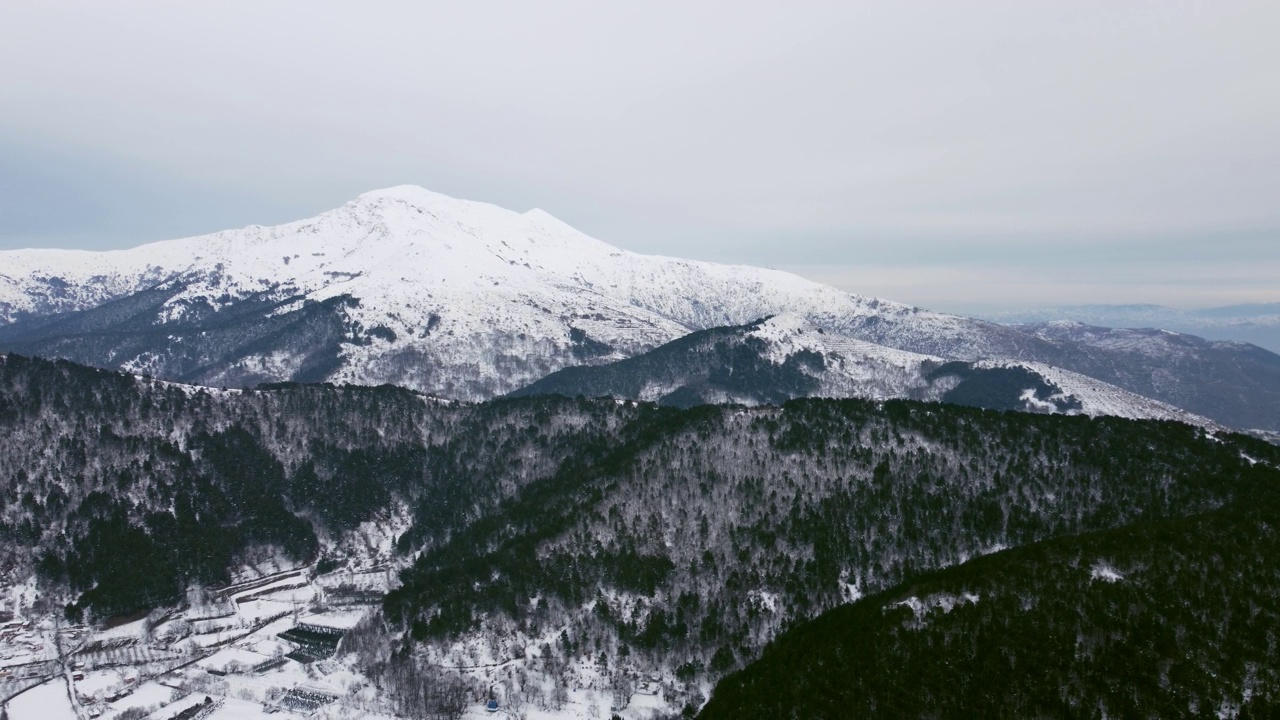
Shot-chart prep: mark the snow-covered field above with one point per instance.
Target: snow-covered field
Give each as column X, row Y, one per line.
column 48, row 701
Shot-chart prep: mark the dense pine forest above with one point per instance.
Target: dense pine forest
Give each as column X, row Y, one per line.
column 680, row 541
column 1172, row 618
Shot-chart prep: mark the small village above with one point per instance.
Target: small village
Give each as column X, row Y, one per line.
column 266, row 646
column 259, row 647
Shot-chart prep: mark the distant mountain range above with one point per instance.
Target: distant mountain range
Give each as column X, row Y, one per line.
column 1256, row 323
column 470, row 301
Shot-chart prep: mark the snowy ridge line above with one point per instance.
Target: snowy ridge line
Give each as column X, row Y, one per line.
column 788, row 333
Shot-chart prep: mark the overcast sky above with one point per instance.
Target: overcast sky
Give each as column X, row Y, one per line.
column 957, row 155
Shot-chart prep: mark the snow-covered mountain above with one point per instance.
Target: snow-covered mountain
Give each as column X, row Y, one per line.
column 468, row 300
column 460, row 298
column 786, row 357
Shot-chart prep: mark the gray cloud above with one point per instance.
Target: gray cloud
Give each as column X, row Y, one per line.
column 1094, row 135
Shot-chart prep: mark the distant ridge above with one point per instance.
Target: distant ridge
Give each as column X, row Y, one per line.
column 784, row 357
column 1256, row 323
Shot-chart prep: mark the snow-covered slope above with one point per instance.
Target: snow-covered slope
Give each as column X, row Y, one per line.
column 768, row 361
column 787, row 357
column 450, row 296
column 851, row 367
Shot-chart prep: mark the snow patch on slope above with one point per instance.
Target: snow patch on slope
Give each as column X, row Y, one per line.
column 851, row 367
column 946, row 602
column 1105, row 572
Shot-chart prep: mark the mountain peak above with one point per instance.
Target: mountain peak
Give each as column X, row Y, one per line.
column 472, row 212
column 419, row 197
column 409, row 193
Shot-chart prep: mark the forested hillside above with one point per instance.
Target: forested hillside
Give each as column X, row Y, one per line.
column 130, row 489
column 627, row 536
column 692, row 536
column 1174, row 618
